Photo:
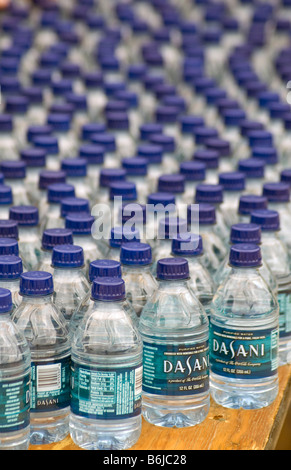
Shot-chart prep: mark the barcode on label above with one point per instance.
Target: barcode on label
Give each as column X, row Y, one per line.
column 48, row 377
column 138, row 381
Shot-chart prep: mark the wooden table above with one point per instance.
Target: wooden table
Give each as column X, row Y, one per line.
column 223, row 429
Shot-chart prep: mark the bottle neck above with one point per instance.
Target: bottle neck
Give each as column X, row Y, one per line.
column 33, row 299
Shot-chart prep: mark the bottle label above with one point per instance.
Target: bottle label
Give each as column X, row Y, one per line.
column 284, row 300
column 98, row 393
column 14, row 404
column 244, row 354
column 50, row 385
column 181, row 369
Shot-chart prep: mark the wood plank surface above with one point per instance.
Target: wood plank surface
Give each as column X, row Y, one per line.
column 223, row 429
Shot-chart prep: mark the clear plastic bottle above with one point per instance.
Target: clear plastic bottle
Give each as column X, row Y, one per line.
column 249, row 203
column 98, row 268
column 276, row 256
column 28, row 228
column 55, row 194
column 136, row 260
column 76, row 171
column 213, row 194
column 233, row 184
column 45, row 179
column 106, row 348
column 169, row 228
column 118, row 236
column 194, row 173
column 35, row 160
column 8, row 146
column 244, row 334
column 136, row 172
column 15, row 376
column 14, row 172
column 254, row 171
column 50, row 238
column 70, row 282
column 94, row 156
column 46, row 332
column 174, row 329
column 200, row 280
column 11, row 268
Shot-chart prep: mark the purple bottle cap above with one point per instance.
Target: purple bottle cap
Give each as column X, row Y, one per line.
column 24, row 215
column 245, row 233
column 123, row 234
column 245, row 255
column 6, row 123
column 209, row 157
column 33, row 157
column 74, row 204
column 260, row 138
column 252, row 167
column 56, row 236
column 233, row 117
column 117, row 121
column 172, row 269
column 49, row 143
column 79, row 223
column 108, row 289
column 48, row 177
column 161, row 200
column 222, row 146
column 74, row 167
column 189, row 123
column 135, row 253
column 105, row 140
column 58, row 191
column 110, row 175
column 268, row 220
column 232, row 181
column 206, row 213
column 149, row 129
column 36, row 283
column 67, row 256
column 11, row 267
column 166, row 142
column 190, row 246
column 277, row 192
column 9, row 229
column 171, row 183
column 209, row 193
column 167, row 114
column 202, row 134
column 171, row 227
column 6, row 195
column 38, row 130
column 104, row 268
column 251, row 202
column 92, row 153
column 13, row 169
column 135, row 166
column 267, row 154
column 9, row 246
column 125, row 189
column 153, row 153
column 248, row 127
column 193, row 170
column 59, row 122
column 285, row 175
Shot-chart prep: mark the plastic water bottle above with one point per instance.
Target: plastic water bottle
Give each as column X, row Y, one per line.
column 118, row 236
column 213, row 194
column 194, row 173
column 46, row 333
column 50, row 144
column 136, row 261
column 107, row 176
column 107, row 141
column 200, row 280
column 45, row 179
column 169, row 228
column 55, row 194
column 233, row 184
column 29, row 243
column 14, row 172
column 174, row 329
column 11, row 268
column 70, row 281
column 14, row 380
column 8, row 146
column 244, row 334
column 159, row 205
column 98, row 268
column 276, row 256
column 115, row 355
column 118, row 124
column 50, row 238
column 136, row 172
column 249, row 203
column 94, row 156
column 254, row 171
column 35, row 160
column 76, row 171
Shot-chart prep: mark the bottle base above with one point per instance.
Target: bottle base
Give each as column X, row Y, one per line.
column 46, row 428
column 175, row 412
column 18, row 440
column 243, row 394
column 91, row 434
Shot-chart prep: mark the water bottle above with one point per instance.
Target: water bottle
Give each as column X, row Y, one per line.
column 118, row 124
column 194, row 173
column 29, row 242
column 174, row 329
column 8, row 146
column 14, row 172
column 11, row 268
column 94, row 156
column 249, row 203
column 70, row 282
column 45, row 179
column 169, row 228
column 213, row 194
column 50, row 144
column 15, row 376
column 233, row 184
column 254, row 171
column 276, row 256
column 76, row 171
column 51, row 238
column 46, row 333
column 244, row 334
column 185, row 137
column 98, row 268
column 107, row 176
column 35, row 160
column 210, row 159
column 115, row 357
column 55, row 194
column 136, row 172
column 107, row 141
column 136, row 260
column 200, row 280
column 118, row 236
column 6, row 200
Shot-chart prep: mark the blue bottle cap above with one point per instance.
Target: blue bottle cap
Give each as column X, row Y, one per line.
column 111, row 88
column 245, row 255
column 277, row 110
column 233, row 117
column 117, row 121
column 285, row 175
column 251, row 202
column 171, row 183
column 171, row 227
column 115, row 106
column 13, row 169
column 276, row 192
column 222, row 146
column 42, row 77
column 148, row 129
column 93, row 154
column 93, row 79
column 209, row 193
column 135, row 166
column 5, row 301
column 33, row 94
column 175, row 101
column 91, row 128
column 267, row 154
column 133, row 211
column 49, row 177
column 136, row 72
column 79, row 101
column 74, row 167
column 172, row 269
column 167, row 114
column 189, row 122
column 6, row 123
column 108, row 289
column 49, row 143
column 191, row 245
column 260, row 138
column 160, row 201
column 214, row 94
column 247, row 127
column 123, row 234
column 36, row 283
column 9, row 246
column 10, row 266
column 125, row 189
column 267, row 97
column 6, row 195
column 232, row 181
column 24, row 215
column 268, row 220
column 111, row 175
column 9, row 229
column 67, row 256
column 104, row 268
column 56, row 236
column 58, row 191
column 153, row 153
column 106, row 140
column 62, row 108
column 135, row 253
column 74, row 204
column 70, row 70
column 33, row 157
column 287, row 121
column 16, row 104
column 209, row 157
column 206, row 213
column 130, row 98
column 253, row 168
column 202, row 83
column 59, row 122
column 203, row 134
column 79, row 223
column 245, row 233
column 193, row 170
column 62, row 87
column 166, row 142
